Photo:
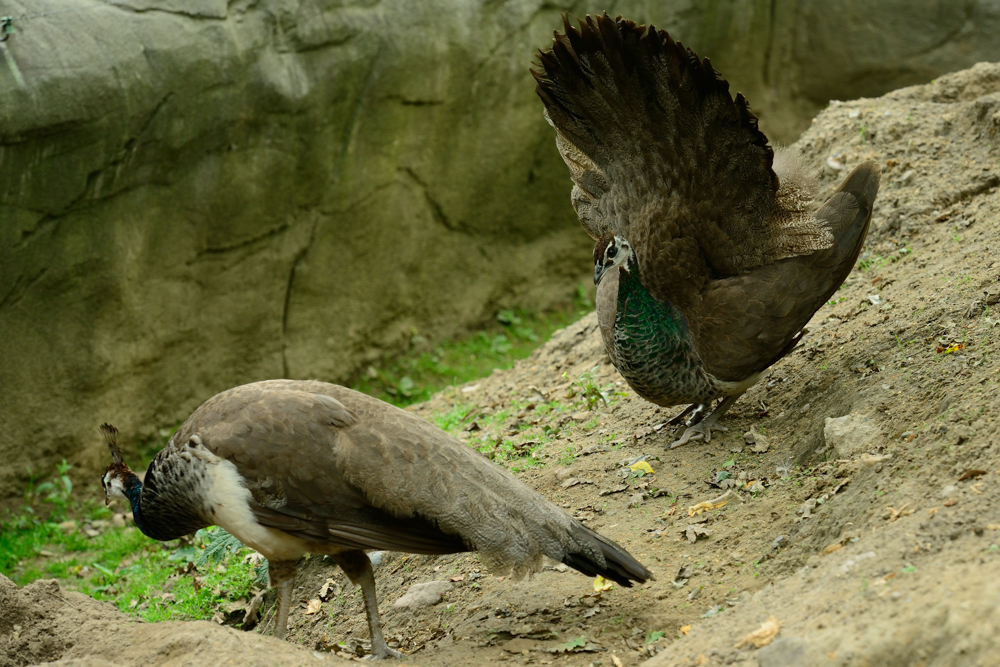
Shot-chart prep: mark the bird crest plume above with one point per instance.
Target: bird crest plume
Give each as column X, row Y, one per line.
column 110, row 434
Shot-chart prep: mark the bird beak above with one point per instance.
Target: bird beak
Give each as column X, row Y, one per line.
column 599, row 270
column 107, row 501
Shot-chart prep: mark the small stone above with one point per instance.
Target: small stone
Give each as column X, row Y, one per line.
column 849, row 435
column 423, row 595
column 563, row 474
column 788, row 652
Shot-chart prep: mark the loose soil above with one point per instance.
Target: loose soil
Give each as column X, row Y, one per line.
column 883, row 554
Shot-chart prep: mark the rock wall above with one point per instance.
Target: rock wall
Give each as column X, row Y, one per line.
column 200, row 193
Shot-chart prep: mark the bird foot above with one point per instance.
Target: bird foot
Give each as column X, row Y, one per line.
column 697, row 409
column 383, row 653
column 701, row 430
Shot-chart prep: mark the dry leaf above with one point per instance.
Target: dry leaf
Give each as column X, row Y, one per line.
column 325, row 589
column 601, row 584
column 615, row 659
column 836, row 546
column 643, row 466
column 313, row 606
column 693, row 532
column 713, row 504
column 763, row 635
column 969, row 474
column 685, row 629
column 460, row 577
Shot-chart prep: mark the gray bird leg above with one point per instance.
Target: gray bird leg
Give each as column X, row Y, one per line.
column 680, row 417
column 704, row 428
column 282, row 577
column 358, row 569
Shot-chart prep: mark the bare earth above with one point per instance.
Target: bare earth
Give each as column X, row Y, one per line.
column 881, row 547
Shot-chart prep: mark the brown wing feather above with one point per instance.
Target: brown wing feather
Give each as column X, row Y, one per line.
column 745, row 324
column 669, row 159
column 334, row 465
column 284, row 439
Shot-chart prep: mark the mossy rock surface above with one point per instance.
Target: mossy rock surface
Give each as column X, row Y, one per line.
column 198, row 193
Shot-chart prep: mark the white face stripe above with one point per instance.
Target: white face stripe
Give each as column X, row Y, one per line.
column 624, row 252
column 113, row 487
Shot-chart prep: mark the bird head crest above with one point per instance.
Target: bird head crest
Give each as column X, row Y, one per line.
column 110, row 434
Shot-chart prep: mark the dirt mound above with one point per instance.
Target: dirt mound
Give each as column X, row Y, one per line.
column 872, row 539
column 42, row 624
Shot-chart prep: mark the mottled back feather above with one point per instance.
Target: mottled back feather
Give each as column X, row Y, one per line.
column 333, row 465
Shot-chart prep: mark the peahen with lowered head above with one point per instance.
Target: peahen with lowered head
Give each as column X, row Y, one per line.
column 711, row 256
column 293, row 467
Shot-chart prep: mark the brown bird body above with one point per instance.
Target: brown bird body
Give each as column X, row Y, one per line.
column 292, row 467
column 711, row 256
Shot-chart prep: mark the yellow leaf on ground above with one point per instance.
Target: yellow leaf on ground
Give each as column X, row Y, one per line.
column 601, row 584
column 313, row 606
column 763, row 635
column 713, row 504
column 685, row 629
column 643, row 466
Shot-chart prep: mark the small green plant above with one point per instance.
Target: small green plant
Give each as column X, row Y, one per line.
column 586, row 388
column 58, row 492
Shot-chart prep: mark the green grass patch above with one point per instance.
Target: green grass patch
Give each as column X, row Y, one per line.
column 57, row 535
column 414, row 377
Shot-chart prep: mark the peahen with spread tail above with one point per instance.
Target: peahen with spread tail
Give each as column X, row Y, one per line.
column 291, row 467
column 711, row 256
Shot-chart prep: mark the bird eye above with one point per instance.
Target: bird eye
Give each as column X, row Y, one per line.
column 612, row 251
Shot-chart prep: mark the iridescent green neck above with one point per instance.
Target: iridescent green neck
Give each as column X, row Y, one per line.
column 653, row 347
column 639, row 311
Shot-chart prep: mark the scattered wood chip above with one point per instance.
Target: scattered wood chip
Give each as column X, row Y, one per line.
column 896, row 513
column 830, row 548
column 615, row 659
column 460, row 577
column 951, row 502
column 763, row 635
column 971, row 474
column 840, row 486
